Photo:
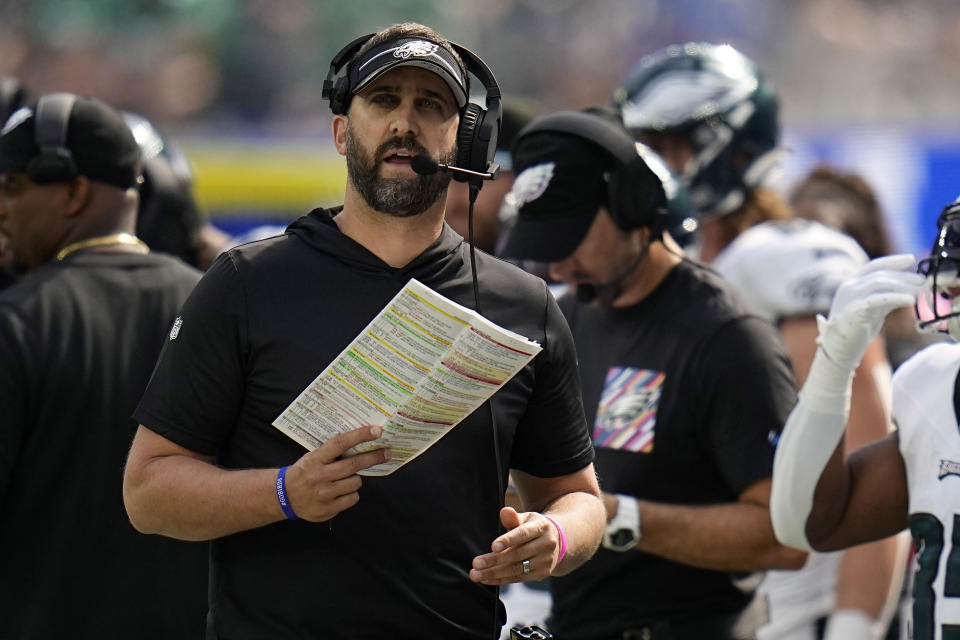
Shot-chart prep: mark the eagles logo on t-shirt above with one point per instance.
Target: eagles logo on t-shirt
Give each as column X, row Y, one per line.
column 627, row 413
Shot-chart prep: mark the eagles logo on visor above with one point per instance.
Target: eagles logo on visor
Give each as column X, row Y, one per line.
column 415, row 48
column 415, row 52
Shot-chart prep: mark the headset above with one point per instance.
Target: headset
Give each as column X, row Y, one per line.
column 55, row 162
column 635, row 193
column 479, row 126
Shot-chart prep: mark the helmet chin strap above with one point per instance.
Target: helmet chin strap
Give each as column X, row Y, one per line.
column 612, row 289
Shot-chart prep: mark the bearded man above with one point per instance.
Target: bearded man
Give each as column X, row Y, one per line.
column 300, row 549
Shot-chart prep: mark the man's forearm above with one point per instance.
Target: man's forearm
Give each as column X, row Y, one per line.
column 582, row 517
column 733, row 536
column 189, row 499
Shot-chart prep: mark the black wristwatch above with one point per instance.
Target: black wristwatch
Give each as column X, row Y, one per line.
column 623, row 532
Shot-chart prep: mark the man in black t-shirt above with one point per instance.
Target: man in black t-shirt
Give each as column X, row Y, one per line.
column 79, row 335
column 300, row 548
column 684, row 388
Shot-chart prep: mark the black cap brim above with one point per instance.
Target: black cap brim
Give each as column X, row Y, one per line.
column 548, row 239
column 559, row 189
column 413, row 53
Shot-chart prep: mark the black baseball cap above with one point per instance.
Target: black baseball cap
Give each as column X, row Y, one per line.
column 559, row 189
column 101, row 144
column 411, row 51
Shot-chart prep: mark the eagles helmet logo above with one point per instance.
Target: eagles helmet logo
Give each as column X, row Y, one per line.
column 531, row 183
column 418, row 48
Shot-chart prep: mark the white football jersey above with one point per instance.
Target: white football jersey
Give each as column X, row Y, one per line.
column 790, row 268
column 923, row 408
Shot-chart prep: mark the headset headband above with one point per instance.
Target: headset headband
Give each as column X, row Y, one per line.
column 52, row 120
column 633, row 184
column 339, row 92
column 593, row 128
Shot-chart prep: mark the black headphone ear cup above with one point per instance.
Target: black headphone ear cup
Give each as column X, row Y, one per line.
column 620, row 202
column 636, row 196
column 52, row 165
column 338, row 97
column 337, row 90
column 467, row 144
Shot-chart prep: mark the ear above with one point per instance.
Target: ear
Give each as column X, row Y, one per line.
column 640, row 237
column 78, row 193
column 340, row 134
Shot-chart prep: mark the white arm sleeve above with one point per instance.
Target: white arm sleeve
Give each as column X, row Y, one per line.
column 811, row 434
column 817, row 423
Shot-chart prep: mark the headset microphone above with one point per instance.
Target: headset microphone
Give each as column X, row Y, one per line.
column 426, row 166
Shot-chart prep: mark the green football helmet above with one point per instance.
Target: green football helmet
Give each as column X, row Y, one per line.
column 715, row 99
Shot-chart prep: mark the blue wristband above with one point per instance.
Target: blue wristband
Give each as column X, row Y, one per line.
column 282, row 494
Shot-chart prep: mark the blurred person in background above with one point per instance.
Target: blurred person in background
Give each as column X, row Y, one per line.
column 709, row 113
column 531, row 602
column 12, row 96
column 714, row 118
column 169, row 219
column 80, row 332
column 301, row 547
column 845, row 201
column 684, row 386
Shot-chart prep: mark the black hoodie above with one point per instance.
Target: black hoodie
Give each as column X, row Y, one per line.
column 261, row 325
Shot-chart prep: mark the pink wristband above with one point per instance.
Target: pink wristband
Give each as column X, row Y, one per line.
column 563, row 537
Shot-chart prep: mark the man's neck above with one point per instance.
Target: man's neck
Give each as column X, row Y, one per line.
column 647, row 275
column 102, row 218
column 395, row 240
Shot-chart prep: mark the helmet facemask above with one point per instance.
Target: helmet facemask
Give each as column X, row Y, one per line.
column 938, row 306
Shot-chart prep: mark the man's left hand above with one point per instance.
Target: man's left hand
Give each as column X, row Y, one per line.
column 526, row 552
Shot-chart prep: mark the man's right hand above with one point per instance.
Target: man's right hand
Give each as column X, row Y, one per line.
column 322, row 483
column 861, row 304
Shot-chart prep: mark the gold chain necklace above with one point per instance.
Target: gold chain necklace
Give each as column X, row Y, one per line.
column 103, row 241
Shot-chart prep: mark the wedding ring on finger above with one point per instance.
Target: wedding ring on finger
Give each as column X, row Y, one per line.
column 526, row 566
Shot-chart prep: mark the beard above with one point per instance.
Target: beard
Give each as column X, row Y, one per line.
column 399, row 197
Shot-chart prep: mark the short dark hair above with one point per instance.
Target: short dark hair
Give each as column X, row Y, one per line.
column 861, row 216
